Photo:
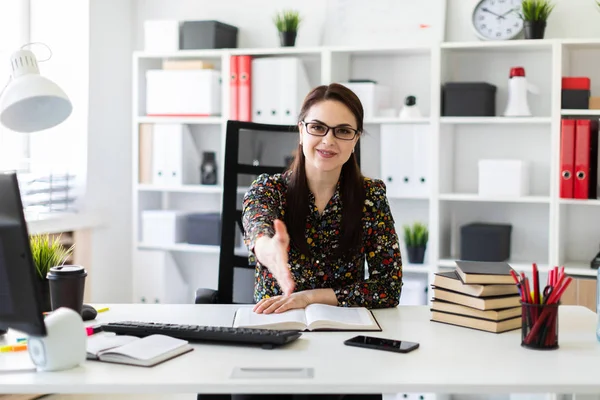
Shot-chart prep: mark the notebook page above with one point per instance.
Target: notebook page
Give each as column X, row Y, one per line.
column 105, row 340
column 148, row 347
column 343, row 315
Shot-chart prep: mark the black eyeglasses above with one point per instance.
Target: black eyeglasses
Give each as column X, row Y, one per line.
column 320, row 129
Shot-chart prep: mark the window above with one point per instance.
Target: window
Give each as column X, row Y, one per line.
column 14, row 18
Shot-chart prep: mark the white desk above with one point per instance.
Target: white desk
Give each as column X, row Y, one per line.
column 450, row 360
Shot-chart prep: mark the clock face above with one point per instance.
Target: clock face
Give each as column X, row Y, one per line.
column 497, row 19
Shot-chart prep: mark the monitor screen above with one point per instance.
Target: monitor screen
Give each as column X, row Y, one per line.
column 20, row 306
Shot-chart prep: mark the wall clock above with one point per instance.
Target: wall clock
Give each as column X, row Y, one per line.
column 497, row 19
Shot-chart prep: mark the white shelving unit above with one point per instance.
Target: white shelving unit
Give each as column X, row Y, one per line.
column 546, row 229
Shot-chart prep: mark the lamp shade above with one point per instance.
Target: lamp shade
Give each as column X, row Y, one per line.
column 31, row 102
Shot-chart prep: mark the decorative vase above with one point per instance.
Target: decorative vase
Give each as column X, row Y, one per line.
column 534, row 29
column 208, row 169
column 287, row 39
column 416, row 255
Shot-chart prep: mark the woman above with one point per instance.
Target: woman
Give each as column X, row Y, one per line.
column 311, row 227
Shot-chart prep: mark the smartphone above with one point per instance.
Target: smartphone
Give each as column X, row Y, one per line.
column 370, row 342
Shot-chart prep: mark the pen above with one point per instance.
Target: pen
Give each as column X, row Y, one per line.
column 13, row 347
column 536, row 283
column 102, row 309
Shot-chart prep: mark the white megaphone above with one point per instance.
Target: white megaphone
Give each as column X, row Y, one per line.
column 518, row 87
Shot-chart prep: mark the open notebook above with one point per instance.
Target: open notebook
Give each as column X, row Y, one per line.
column 145, row 352
column 312, row 318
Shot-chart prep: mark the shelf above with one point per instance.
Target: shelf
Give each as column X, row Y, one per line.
column 206, row 189
column 182, row 247
column 580, row 202
column 314, row 51
column 594, row 113
column 506, row 45
column 495, row 120
column 209, row 189
column 477, row 198
column 395, row 120
column 579, row 268
column 414, row 197
column 416, row 268
column 181, row 120
column 206, row 54
column 382, row 51
column 189, row 248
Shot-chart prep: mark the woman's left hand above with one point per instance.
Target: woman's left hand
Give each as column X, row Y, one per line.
column 278, row 304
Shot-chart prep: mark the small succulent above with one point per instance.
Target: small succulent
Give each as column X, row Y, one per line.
column 287, row 21
column 47, row 253
column 536, row 10
column 416, row 235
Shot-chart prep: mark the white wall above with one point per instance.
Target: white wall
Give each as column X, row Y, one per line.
column 109, row 150
column 256, row 29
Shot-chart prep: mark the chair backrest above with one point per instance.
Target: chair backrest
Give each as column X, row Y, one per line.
column 250, row 150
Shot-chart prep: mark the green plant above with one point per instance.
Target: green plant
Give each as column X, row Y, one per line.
column 47, row 253
column 416, row 235
column 536, row 10
column 287, row 21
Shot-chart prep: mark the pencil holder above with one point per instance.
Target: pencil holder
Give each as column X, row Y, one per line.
column 539, row 326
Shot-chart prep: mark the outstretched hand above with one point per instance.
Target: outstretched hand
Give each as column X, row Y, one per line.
column 273, row 253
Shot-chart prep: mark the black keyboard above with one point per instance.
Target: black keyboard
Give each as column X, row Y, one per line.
column 267, row 338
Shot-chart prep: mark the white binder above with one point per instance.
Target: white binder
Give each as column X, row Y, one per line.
column 279, row 85
column 176, row 160
column 405, row 160
column 421, row 157
column 157, row 279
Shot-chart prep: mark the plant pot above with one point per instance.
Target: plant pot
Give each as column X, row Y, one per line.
column 534, row 29
column 287, row 39
column 44, row 289
column 416, row 255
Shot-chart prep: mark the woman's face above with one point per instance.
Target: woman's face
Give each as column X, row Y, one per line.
column 329, row 152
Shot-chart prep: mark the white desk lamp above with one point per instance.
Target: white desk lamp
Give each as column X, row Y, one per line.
column 31, row 103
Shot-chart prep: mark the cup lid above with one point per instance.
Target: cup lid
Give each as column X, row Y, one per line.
column 66, row 270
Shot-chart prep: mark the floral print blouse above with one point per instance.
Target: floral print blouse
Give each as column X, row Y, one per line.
column 266, row 201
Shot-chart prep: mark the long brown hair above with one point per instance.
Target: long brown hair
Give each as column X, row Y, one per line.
column 352, row 189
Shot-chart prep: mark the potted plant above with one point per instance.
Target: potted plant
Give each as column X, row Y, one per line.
column 287, row 23
column 47, row 253
column 415, row 238
column 534, row 14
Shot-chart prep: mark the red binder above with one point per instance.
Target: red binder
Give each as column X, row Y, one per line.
column 233, row 88
column 567, row 158
column 582, row 159
column 245, row 94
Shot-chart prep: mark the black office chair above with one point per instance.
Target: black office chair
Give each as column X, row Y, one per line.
column 272, row 145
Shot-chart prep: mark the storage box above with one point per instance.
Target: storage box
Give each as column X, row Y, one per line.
column 183, row 92
column 574, row 99
column 161, row 35
column 485, row 242
column 204, row 228
column 503, row 178
column 163, row 227
column 469, row 99
column 373, row 96
column 594, row 103
column 208, row 35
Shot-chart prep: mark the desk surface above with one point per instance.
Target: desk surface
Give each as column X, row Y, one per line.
column 450, row 360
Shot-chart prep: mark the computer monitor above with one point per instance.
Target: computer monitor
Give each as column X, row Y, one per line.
column 20, row 302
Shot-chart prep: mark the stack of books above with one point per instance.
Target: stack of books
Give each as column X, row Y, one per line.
column 478, row 295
